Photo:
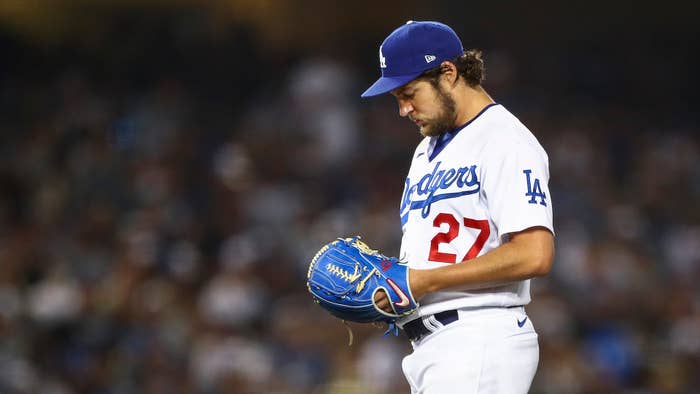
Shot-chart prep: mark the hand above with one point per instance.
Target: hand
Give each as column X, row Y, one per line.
column 416, row 279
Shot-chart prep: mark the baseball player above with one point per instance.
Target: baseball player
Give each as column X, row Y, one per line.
column 476, row 215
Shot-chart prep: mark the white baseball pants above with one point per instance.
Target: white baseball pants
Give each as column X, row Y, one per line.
column 485, row 351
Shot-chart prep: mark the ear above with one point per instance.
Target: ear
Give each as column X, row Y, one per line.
column 449, row 72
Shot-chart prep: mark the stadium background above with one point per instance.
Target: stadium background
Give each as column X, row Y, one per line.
column 167, row 168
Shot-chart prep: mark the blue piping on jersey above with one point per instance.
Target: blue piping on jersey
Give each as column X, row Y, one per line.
column 424, row 205
column 445, row 138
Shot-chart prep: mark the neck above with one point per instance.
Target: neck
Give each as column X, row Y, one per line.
column 470, row 101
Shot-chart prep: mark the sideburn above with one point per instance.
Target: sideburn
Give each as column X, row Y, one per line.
column 446, row 122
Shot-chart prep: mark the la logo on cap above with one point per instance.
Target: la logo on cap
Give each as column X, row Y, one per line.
column 382, row 59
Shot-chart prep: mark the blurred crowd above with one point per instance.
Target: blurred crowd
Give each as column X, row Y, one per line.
column 156, row 222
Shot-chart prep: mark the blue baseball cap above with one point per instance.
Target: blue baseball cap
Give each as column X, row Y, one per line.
column 412, row 49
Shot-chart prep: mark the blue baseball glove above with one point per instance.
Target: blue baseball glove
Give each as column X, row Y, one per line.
column 345, row 274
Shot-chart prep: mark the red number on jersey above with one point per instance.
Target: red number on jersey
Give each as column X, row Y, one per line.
column 452, row 233
column 446, row 237
column 480, row 241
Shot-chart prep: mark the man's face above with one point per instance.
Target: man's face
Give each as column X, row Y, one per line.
column 430, row 107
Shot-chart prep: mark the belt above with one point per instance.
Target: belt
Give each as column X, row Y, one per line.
column 417, row 329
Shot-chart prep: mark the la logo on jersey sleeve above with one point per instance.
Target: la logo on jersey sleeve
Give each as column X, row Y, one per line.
column 534, row 190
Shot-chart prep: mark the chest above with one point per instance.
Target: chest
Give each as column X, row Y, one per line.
column 446, row 179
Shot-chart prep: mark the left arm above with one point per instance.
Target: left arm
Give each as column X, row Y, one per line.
column 528, row 253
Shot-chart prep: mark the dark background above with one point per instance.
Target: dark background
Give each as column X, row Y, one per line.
column 167, row 170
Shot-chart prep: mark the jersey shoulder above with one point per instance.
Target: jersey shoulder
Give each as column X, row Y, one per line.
column 504, row 132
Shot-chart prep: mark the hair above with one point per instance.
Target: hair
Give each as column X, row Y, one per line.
column 470, row 66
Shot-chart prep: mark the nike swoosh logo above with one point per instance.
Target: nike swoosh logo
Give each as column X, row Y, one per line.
column 522, row 323
column 420, row 154
column 404, row 298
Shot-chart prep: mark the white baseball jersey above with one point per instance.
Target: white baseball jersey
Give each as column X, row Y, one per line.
column 465, row 192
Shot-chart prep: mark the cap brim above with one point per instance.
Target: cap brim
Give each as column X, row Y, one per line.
column 385, row 84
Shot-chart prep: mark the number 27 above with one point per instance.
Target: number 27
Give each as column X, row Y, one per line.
column 452, row 232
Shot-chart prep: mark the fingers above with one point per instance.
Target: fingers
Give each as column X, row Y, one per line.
column 382, row 301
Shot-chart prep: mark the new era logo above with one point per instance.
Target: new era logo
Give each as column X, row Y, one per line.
column 429, row 58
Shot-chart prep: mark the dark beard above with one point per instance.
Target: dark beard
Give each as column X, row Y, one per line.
column 446, row 120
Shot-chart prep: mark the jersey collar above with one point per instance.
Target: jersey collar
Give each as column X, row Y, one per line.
column 441, row 141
